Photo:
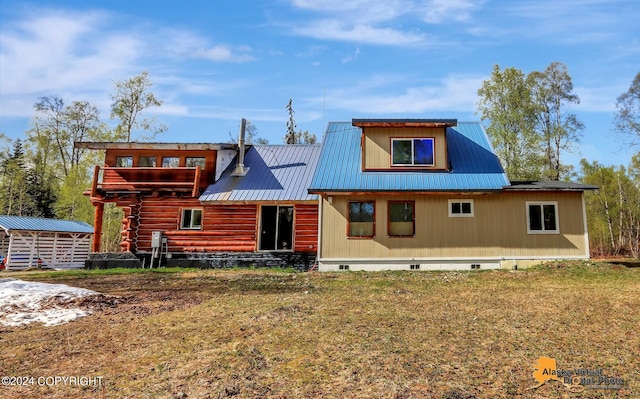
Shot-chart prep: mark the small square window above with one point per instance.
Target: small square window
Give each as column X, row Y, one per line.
column 191, row 219
column 461, row 208
column 170, row 162
column 124, row 162
column 147, row 162
column 542, row 218
column 192, row 162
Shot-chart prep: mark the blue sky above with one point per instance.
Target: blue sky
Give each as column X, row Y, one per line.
column 214, row 62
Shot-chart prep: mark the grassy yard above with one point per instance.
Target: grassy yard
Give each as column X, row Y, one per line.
column 258, row 333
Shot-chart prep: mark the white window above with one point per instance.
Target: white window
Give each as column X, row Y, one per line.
column 542, row 217
column 412, row 152
column 191, row 219
column 460, row 208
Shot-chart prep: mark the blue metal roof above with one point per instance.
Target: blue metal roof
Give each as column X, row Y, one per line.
column 25, row 223
column 276, row 173
column 474, row 165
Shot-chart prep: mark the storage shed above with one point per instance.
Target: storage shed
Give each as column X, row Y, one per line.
column 28, row 241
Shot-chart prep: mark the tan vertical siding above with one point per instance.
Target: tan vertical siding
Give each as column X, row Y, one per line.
column 377, row 145
column 498, row 228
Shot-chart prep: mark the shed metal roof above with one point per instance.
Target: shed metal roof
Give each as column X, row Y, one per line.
column 474, row 165
column 550, row 185
column 24, row 223
column 276, row 173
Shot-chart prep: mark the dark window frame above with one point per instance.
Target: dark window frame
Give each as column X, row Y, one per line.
column 349, row 219
column 413, row 218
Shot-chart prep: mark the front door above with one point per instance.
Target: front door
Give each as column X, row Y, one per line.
column 276, row 228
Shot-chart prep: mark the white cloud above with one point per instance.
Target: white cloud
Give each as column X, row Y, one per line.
column 380, row 22
column 74, row 54
column 352, row 57
column 440, row 11
column 573, row 21
column 224, row 53
column 451, row 94
column 359, row 33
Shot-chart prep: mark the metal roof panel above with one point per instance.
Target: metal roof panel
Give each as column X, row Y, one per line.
column 26, row 223
column 474, row 165
column 276, row 173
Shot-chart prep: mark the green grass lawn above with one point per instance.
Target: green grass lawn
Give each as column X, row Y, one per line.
column 261, row 333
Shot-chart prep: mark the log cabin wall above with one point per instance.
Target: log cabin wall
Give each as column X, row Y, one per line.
column 225, row 228
column 306, row 228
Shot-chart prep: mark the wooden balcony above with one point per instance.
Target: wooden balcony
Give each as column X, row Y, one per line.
column 110, row 180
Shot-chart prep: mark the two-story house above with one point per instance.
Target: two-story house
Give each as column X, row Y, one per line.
column 196, row 200
column 430, row 194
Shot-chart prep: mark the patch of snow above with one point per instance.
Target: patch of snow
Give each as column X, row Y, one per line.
column 24, row 302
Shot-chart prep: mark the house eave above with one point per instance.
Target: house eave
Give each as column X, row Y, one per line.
column 153, row 146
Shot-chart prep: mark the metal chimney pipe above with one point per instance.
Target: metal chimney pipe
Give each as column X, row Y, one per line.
column 240, row 169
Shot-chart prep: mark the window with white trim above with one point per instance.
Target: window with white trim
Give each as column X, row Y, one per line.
column 460, row 208
column 412, row 152
column 542, row 217
column 191, row 219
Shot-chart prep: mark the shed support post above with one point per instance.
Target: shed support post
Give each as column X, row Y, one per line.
column 97, row 226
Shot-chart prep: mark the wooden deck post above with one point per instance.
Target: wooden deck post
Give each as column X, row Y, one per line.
column 97, row 226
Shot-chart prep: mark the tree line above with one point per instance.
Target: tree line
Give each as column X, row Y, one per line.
column 530, row 126
column 45, row 175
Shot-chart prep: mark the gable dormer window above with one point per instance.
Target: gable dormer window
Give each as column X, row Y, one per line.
column 414, row 151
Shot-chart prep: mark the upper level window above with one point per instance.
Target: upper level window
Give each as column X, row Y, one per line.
column 170, row 162
column 542, row 217
column 124, row 162
column 460, row 208
column 401, row 219
column 191, row 219
column 192, row 162
column 362, row 219
column 147, row 162
column 412, row 152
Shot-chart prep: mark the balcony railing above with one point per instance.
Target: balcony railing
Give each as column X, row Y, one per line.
column 109, row 179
